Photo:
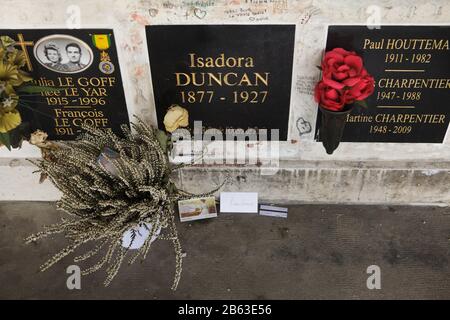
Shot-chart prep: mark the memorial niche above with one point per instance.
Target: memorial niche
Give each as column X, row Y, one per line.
column 80, row 73
column 227, row 82
column 411, row 67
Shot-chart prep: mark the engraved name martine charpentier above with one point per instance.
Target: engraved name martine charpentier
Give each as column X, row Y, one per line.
column 249, row 79
column 398, row 118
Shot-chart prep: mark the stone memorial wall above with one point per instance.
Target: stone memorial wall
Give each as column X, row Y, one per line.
column 395, row 151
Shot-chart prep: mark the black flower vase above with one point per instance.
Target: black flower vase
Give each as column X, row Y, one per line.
column 332, row 126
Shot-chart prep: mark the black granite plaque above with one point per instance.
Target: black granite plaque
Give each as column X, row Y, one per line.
column 227, row 76
column 84, row 66
column 411, row 67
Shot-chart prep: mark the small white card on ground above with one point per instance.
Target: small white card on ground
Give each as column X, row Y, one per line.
column 198, row 208
column 271, row 211
column 135, row 237
column 239, row 202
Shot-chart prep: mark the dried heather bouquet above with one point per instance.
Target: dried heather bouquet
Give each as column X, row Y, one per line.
column 105, row 203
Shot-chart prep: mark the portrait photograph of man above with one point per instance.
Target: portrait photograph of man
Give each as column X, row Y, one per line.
column 74, row 54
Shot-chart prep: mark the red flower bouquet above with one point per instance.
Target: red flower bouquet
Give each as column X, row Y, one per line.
column 345, row 82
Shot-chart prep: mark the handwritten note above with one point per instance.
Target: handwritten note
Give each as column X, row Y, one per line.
column 239, row 202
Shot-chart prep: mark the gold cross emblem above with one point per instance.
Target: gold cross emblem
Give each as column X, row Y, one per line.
column 23, row 44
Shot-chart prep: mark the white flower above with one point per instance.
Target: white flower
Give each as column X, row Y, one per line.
column 38, row 138
column 7, row 103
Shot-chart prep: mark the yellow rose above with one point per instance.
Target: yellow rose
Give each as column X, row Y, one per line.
column 176, row 117
column 9, row 121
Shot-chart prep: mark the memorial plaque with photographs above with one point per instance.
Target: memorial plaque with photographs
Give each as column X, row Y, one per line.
column 83, row 65
column 411, row 67
column 226, row 76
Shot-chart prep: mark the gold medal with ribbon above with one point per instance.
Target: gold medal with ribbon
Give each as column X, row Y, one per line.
column 102, row 42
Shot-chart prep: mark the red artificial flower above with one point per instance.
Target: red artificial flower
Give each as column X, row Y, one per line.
column 344, row 80
column 328, row 97
column 362, row 89
column 341, row 68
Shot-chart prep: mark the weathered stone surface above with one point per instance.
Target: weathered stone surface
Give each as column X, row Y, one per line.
column 334, row 184
column 355, row 173
column 318, row 252
column 293, row 182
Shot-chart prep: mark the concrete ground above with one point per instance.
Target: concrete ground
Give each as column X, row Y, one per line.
column 319, row 252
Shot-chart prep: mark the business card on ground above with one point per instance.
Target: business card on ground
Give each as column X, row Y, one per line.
column 198, row 208
column 271, row 211
column 239, row 202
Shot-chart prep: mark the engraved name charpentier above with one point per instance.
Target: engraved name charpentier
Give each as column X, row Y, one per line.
column 414, row 83
column 398, row 118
